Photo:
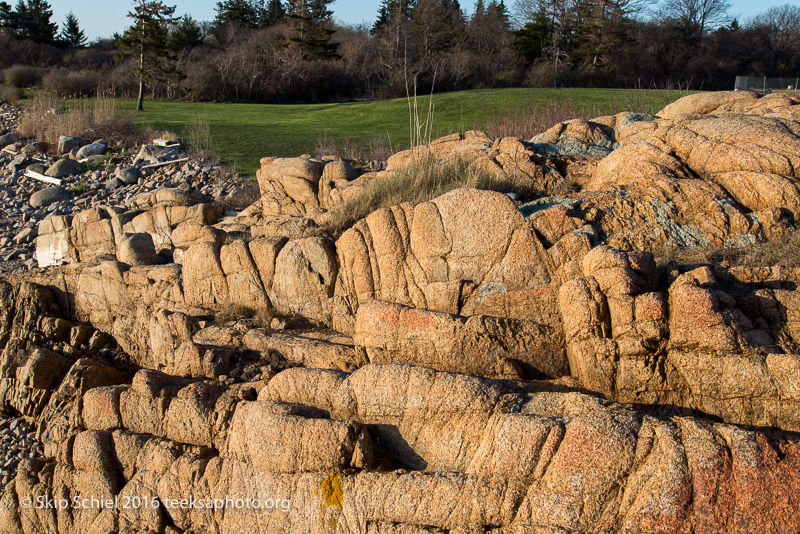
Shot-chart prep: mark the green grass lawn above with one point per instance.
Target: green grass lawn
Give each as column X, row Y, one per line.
column 241, row 134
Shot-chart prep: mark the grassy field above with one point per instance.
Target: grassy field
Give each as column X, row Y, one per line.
column 241, row 134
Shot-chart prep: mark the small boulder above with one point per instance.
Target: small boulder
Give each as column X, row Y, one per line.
column 8, row 138
column 19, row 163
column 63, row 167
column 66, row 143
column 128, row 175
column 36, row 167
column 113, row 183
column 35, row 148
column 94, row 149
column 26, row 235
column 154, row 154
column 137, row 249
column 45, row 197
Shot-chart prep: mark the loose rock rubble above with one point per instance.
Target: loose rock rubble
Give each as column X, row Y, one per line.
column 91, row 175
column 470, row 364
column 18, row 441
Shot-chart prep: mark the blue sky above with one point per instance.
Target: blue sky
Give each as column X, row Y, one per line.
column 101, row 18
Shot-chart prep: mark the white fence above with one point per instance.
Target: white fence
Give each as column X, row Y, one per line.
column 751, row 83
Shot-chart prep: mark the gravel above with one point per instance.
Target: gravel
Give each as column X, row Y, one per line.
column 17, row 442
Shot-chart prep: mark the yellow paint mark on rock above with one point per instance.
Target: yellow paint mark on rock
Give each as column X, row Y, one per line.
column 331, row 490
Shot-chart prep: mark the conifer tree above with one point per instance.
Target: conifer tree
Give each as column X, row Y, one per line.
column 275, row 13
column 186, row 34
column 148, row 38
column 72, row 35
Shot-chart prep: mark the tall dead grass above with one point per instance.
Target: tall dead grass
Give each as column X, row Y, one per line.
column 423, row 179
column 534, row 118
column 378, row 149
column 10, row 95
column 783, row 252
column 47, row 117
column 198, row 138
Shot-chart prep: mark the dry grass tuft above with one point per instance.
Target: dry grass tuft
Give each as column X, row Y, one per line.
column 378, row 149
column 257, row 318
column 533, row 119
column 424, row 179
column 10, row 95
column 198, row 138
column 779, row 252
column 46, row 118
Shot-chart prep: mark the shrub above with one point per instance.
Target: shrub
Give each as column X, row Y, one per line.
column 9, row 94
column 21, row 76
column 64, row 83
column 79, row 188
column 46, row 118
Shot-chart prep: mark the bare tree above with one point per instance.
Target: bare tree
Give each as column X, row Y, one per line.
column 697, row 17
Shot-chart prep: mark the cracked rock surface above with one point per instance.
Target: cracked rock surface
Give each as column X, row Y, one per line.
column 468, row 365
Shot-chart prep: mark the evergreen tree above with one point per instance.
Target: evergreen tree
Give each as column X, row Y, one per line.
column 275, row 13
column 72, row 35
column 34, row 22
column 311, row 31
column 21, row 20
column 6, row 18
column 147, row 38
column 242, row 12
column 531, row 40
column 393, row 12
column 437, row 24
column 186, row 34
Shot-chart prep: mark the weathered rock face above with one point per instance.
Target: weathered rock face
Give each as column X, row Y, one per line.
column 445, row 255
column 480, row 351
column 485, row 346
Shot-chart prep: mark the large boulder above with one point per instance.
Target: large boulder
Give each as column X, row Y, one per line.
column 47, row 196
column 137, row 249
column 93, row 149
column 305, row 274
column 67, row 143
column 63, row 168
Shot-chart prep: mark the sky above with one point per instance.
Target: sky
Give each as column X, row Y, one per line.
column 101, row 18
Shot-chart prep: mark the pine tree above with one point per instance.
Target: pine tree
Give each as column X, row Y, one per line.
column 392, row 12
column 242, row 12
column 437, row 24
column 6, row 18
column 72, row 35
column 148, row 38
column 275, row 13
column 312, row 33
column 186, row 34
column 35, row 24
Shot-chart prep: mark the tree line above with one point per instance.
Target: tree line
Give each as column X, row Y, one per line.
column 294, row 51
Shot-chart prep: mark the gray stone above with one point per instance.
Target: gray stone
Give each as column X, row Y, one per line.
column 7, row 139
column 154, row 154
column 25, row 236
column 94, row 149
column 48, row 196
column 128, row 175
column 67, row 143
column 63, row 167
column 113, row 183
column 19, row 163
column 36, row 167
